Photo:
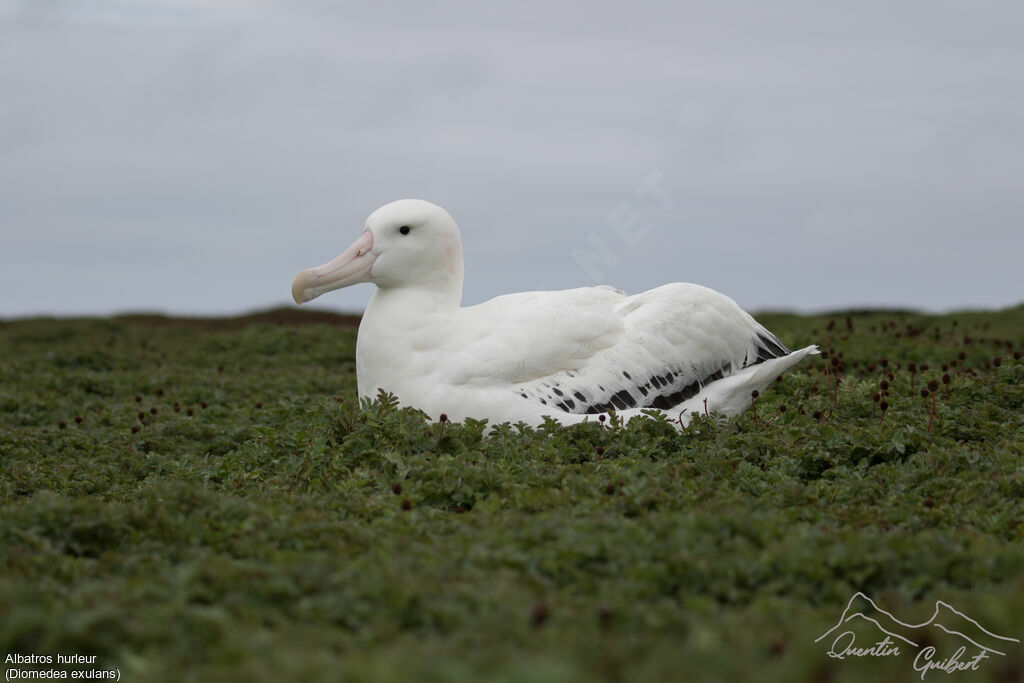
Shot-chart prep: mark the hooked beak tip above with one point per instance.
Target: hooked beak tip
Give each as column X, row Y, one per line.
column 300, row 287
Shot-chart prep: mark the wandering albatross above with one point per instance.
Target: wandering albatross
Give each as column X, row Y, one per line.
column 572, row 355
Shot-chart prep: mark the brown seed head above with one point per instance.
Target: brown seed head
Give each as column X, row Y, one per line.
column 539, row 615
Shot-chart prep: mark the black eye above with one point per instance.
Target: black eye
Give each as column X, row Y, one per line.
column 404, row 230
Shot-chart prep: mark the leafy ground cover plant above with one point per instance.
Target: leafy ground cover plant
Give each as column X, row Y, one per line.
column 207, row 500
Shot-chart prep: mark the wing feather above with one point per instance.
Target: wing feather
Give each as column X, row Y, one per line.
column 674, row 340
column 532, row 336
column 591, row 350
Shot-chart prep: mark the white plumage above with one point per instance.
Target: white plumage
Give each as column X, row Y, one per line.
column 571, row 354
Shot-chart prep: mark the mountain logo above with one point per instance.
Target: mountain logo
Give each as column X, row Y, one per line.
column 896, row 637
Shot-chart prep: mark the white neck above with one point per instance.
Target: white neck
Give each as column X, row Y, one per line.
column 394, row 305
column 394, row 329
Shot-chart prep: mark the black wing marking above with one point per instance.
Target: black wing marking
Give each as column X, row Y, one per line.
column 664, row 389
column 768, row 346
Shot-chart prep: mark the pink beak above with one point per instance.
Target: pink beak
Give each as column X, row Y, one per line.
column 351, row 267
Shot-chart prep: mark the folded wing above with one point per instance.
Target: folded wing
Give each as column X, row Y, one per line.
column 594, row 349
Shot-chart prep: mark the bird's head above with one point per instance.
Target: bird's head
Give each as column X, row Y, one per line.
column 408, row 243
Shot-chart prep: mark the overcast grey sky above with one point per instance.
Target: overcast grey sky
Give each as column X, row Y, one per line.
column 192, row 156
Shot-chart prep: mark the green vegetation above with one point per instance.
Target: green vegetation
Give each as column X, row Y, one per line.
column 205, row 500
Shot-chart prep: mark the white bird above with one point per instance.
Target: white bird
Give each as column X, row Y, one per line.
column 572, row 355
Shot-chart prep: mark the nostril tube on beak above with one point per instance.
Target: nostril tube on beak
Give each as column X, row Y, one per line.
column 351, row 267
